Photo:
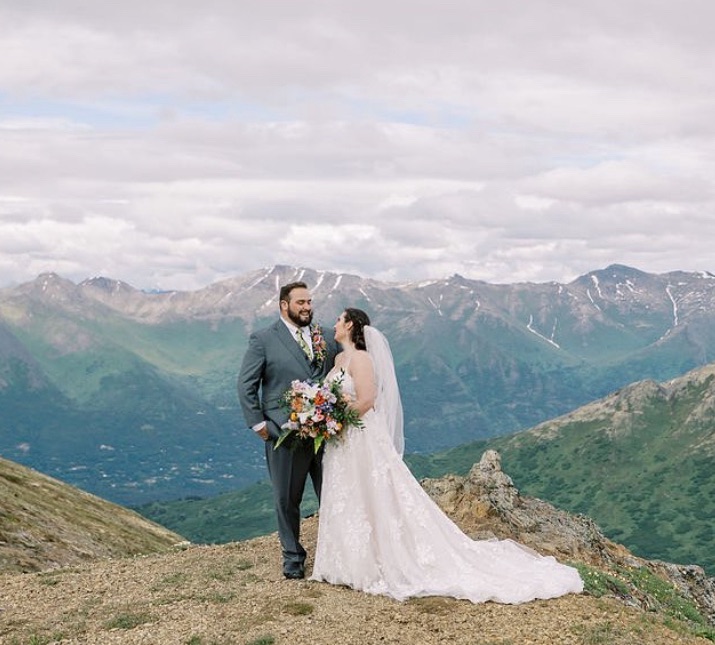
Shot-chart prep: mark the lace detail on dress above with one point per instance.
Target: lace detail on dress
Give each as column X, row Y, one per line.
column 380, row 532
column 337, row 372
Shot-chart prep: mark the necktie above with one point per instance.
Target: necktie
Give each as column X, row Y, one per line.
column 303, row 344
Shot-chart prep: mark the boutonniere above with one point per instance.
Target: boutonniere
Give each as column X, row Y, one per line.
column 320, row 347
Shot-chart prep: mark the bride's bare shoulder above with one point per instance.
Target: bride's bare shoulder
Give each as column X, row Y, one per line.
column 361, row 357
column 348, row 360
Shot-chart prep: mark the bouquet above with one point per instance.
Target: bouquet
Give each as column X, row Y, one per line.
column 318, row 411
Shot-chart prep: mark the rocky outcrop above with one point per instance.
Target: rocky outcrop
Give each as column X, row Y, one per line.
column 486, row 504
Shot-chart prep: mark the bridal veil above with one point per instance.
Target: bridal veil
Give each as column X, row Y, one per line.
column 387, row 400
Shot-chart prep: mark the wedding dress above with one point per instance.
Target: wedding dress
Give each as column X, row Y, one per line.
column 381, row 533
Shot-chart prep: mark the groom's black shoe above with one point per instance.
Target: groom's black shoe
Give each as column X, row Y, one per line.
column 294, row 574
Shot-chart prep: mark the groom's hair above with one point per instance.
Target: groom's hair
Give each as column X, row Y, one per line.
column 287, row 288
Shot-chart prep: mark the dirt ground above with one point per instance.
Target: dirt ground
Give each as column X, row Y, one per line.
column 235, row 594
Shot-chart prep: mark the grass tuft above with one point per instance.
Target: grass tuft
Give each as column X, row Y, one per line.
column 129, row 620
column 298, row 608
column 603, row 634
column 432, row 605
column 262, row 640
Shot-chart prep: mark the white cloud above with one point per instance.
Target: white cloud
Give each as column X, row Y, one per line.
column 171, row 144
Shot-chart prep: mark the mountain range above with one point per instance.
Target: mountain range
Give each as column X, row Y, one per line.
column 131, row 395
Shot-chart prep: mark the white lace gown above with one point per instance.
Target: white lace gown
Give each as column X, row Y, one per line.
column 381, row 533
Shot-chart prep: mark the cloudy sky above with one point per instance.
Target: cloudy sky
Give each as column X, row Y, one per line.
column 173, row 143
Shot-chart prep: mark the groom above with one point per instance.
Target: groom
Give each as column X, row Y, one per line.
column 289, row 349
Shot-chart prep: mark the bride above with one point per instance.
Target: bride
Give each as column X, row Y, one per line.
column 379, row 531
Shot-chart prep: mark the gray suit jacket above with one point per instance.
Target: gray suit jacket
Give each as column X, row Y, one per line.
column 272, row 361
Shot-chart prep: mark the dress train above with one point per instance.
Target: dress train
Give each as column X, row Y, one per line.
column 381, row 533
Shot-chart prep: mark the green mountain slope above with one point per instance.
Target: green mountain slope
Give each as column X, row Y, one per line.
column 126, row 410
column 234, row 516
column 639, row 462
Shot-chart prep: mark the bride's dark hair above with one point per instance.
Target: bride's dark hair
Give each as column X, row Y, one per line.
column 359, row 319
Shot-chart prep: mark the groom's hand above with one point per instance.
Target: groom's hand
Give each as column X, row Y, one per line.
column 262, row 432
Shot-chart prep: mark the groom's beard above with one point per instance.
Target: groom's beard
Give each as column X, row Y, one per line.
column 301, row 320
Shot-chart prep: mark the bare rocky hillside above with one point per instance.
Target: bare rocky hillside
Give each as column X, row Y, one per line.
column 46, row 524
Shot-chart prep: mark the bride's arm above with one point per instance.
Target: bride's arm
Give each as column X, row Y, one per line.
column 363, row 376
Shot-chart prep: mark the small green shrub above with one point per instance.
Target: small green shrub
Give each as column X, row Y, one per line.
column 218, row 598
column 38, row 639
column 298, row 608
column 599, row 583
column 432, row 605
column 263, row 640
column 48, row 580
column 129, row 620
column 171, row 580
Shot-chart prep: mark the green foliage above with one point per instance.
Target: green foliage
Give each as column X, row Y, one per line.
column 129, row 620
column 173, row 580
column 217, row 597
column 655, row 592
column 42, row 639
column 669, row 600
column 297, row 608
column 600, row 583
column 432, row 605
column 49, row 579
column 262, row 640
